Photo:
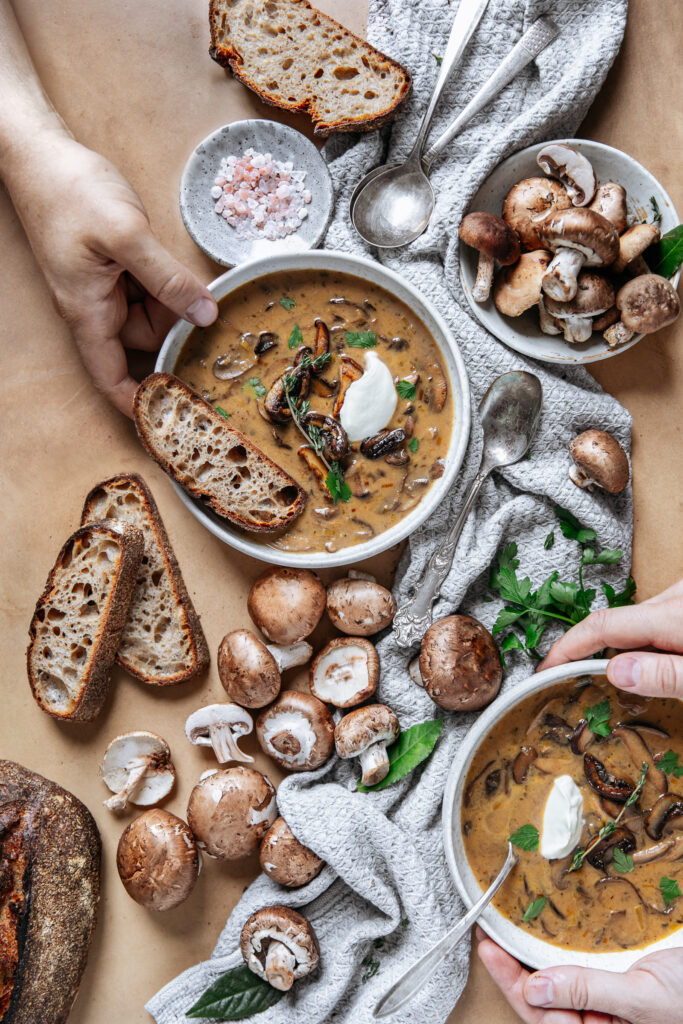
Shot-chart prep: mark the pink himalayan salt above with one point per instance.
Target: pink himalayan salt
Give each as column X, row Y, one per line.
column 260, row 196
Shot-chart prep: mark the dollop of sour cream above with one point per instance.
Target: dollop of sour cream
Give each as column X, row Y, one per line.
column 562, row 819
column 370, row 401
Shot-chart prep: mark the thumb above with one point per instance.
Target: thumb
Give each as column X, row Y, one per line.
column 654, row 675
column 578, row 988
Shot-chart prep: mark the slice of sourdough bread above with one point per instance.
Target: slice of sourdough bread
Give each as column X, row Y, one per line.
column 162, row 642
column 297, row 58
column 76, row 628
column 211, row 459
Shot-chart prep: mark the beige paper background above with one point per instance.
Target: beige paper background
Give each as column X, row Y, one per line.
column 134, row 81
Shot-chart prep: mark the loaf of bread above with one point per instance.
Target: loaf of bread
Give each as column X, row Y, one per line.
column 297, row 58
column 162, row 641
column 49, row 889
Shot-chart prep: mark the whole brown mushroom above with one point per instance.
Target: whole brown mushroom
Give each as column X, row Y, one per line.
column 646, row 303
column 250, row 670
column 286, row 604
column 359, row 607
column 527, row 205
column 518, row 288
column 579, row 237
column 157, row 860
column 279, row 945
column 366, row 733
column 494, row 240
column 285, row 859
column 594, row 296
column 598, row 459
column 230, row 811
column 610, row 201
column 459, row 664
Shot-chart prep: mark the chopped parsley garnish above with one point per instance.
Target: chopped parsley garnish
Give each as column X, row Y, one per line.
column 597, row 717
column 669, row 889
column 623, row 862
column 296, row 337
column 669, row 763
column 336, row 485
column 406, row 389
column 413, row 444
column 287, row 303
column 525, row 838
column 255, row 386
column 221, row 411
column 360, row 339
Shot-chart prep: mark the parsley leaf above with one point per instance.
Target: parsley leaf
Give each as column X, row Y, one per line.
column 255, row 386
column 525, row 838
column 295, row 338
column 371, row 968
column 336, row 485
column 669, row 889
column 221, row 411
column 438, row 59
column 597, row 718
column 668, row 763
column 406, row 389
column 549, row 541
column 572, row 528
column 623, row 862
column 413, row 444
column 360, row 339
column 287, row 303
column 623, row 597
column 534, row 909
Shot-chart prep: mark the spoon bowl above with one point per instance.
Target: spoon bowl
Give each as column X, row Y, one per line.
column 392, row 205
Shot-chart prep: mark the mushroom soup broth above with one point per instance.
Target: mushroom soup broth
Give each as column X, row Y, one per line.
column 613, row 901
column 264, row 328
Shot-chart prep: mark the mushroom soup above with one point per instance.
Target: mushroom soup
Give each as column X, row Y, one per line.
column 379, row 406
column 543, row 768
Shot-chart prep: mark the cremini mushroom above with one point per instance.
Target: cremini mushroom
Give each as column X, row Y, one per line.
column 646, row 304
column 230, row 811
column 527, row 205
column 286, row 604
column 359, row 607
column 365, row 733
column 280, row 946
column 605, row 784
column 571, row 168
column 158, row 860
column 494, row 240
column 602, row 854
column 598, row 459
column 297, row 731
column 345, row 672
column 459, row 664
column 632, row 245
column 250, row 670
column 285, row 859
column 137, row 768
column 666, row 811
column 594, row 295
column 220, row 726
column 518, row 288
column 578, row 237
column 610, row 201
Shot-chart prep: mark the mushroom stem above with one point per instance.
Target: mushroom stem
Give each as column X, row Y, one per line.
column 374, row 764
column 279, row 967
column 577, row 328
column 224, row 745
column 358, row 574
column 290, row 655
column 580, row 478
column 414, row 672
column 547, row 322
column 137, row 769
column 559, row 281
column 618, row 334
column 650, row 853
column 482, row 285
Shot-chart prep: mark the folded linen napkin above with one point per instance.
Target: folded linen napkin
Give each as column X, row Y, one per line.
column 386, row 894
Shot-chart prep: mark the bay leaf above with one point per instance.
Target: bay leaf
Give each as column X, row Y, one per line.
column 668, row 255
column 412, row 747
column 235, row 995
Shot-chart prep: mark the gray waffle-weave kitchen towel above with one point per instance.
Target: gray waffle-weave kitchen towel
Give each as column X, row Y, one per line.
column 386, row 894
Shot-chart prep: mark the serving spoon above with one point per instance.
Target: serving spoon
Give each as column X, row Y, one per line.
column 392, row 204
column 415, row 977
column 509, row 413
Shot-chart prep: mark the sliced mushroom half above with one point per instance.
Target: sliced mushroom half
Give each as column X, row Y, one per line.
column 604, row 783
column 345, row 672
column 220, row 726
column 137, row 768
column 666, row 811
column 571, row 168
column 279, row 945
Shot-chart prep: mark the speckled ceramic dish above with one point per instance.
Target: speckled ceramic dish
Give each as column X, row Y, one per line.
column 522, row 333
column 211, row 232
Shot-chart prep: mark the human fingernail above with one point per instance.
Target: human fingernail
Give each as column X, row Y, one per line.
column 202, row 312
column 625, row 671
column 539, row 990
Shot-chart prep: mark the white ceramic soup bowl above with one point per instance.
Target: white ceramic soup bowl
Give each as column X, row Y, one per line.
column 454, row 368
column 527, row 948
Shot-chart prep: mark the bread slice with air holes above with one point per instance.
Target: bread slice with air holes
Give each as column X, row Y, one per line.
column 293, row 56
column 162, row 642
column 79, row 618
column 211, row 459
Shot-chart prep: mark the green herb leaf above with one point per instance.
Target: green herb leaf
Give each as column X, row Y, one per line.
column 438, row 59
column 295, row 338
column 287, row 303
column 669, row 252
column 255, row 386
column 534, row 909
column 577, row 859
column 371, row 968
column 360, row 339
column 221, row 411
column 549, row 541
column 413, row 746
column 597, row 718
column 406, row 389
column 413, row 444
column 656, row 212
column 623, row 862
column 321, row 361
column 669, row 889
column 235, row 995
column 609, row 556
column 336, row 485
column 668, row 763
column 525, row 838
column 572, row 528
column 623, row 597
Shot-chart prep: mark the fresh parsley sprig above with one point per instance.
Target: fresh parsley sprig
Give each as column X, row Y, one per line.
column 360, row 339
column 623, row 862
column 525, row 838
column 287, row 303
column 597, row 718
column 668, row 763
column 255, row 386
column 669, row 889
column 609, row 826
column 406, row 389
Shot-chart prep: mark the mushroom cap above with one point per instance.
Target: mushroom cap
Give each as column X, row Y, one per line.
column 528, row 203
column 360, row 607
column 284, row 925
column 364, row 727
column 286, row 604
column 230, row 811
column 594, row 294
column 490, row 235
column 610, row 201
column 158, row 860
column 345, row 672
column 583, row 229
column 634, row 242
column 247, row 669
column 460, row 664
column 648, row 303
column 600, row 456
column 121, row 756
column 297, row 731
column 518, row 288
column 285, row 859
column 572, row 168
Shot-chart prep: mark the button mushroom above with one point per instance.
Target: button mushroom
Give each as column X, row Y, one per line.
column 279, row 945
column 359, row 607
column 157, row 860
column 646, row 303
column 518, row 288
column 297, row 731
column 632, row 245
column 572, row 168
column 219, row 726
column 577, row 237
column 610, row 201
column 230, row 811
column 527, row 205
column 366, row 733
column 285, row 859
column 598, row 459
column 286, row 604
column 137, row 768
column 594, row 295
column 494, row 240
column 459, row 664
column 250, row 670
column 345, row 672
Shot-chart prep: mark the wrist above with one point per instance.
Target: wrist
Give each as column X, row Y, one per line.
column 27, row 146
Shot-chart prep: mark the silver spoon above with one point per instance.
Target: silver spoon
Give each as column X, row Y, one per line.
column 509, row 413
column 392, row 205
column 414, row 978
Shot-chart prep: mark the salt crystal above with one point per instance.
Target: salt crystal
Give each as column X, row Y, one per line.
column 260, row 196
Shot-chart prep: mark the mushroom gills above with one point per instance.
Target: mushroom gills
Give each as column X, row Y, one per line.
column 290, row 736
column 341, row 674
column 138, row 769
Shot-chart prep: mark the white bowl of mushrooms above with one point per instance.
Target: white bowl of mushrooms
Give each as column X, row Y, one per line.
column 585, row 215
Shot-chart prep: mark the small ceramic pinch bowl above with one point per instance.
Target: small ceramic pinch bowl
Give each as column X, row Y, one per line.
column 523, row 333
column 525, row 947
column 210, row 230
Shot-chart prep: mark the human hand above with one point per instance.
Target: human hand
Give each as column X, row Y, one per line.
column 110, row 278
column 656, row 623
column 647, row 993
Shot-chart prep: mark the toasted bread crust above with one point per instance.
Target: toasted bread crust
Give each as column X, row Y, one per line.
column 185, row 608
